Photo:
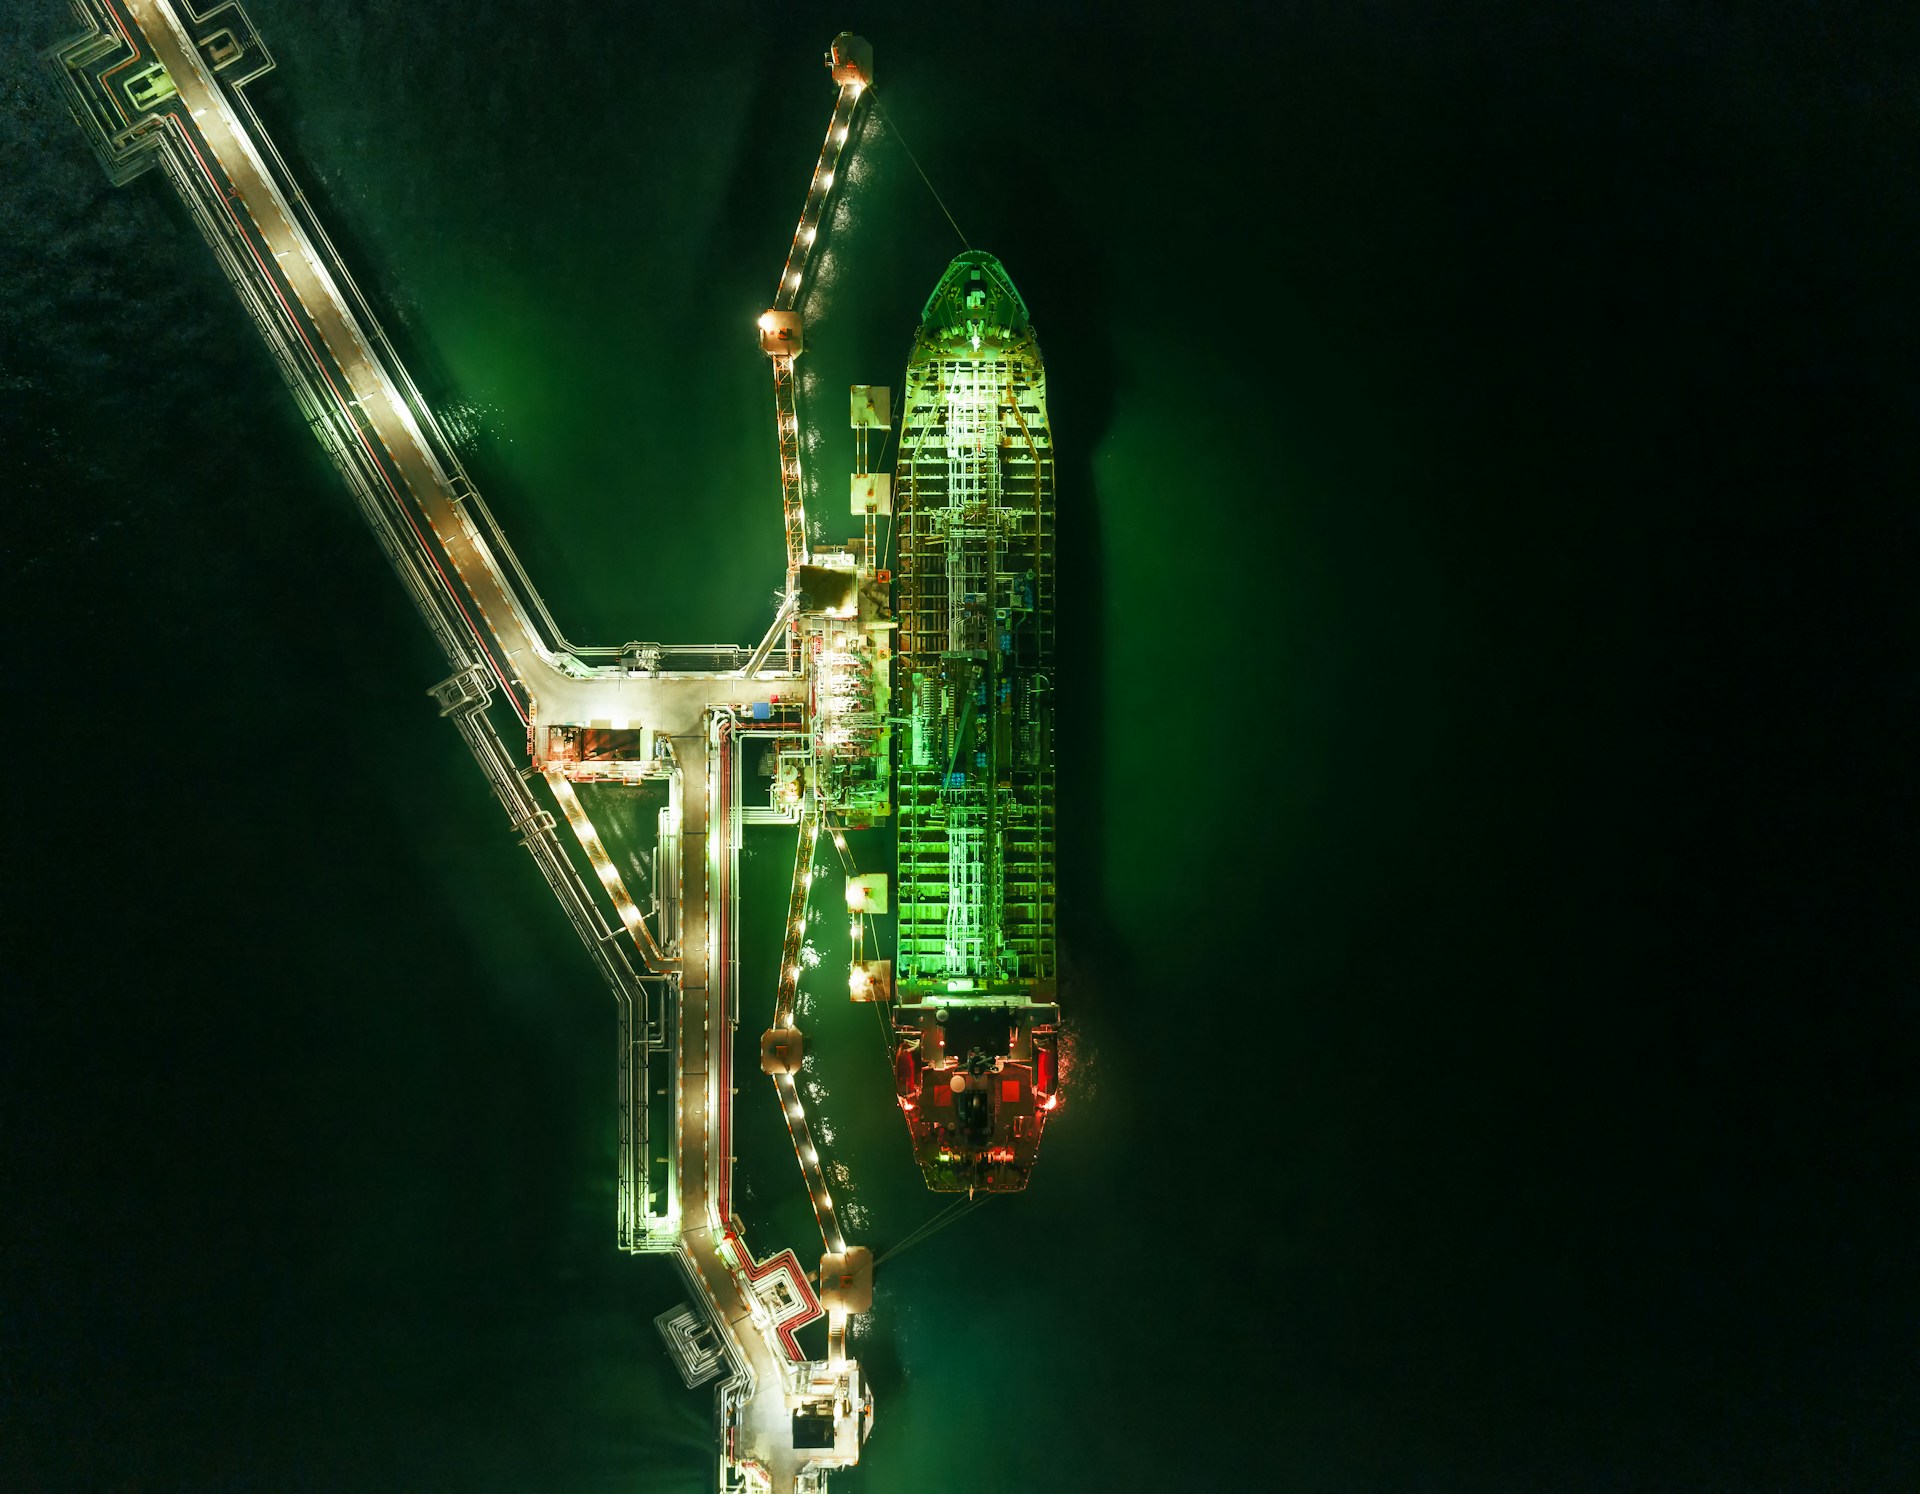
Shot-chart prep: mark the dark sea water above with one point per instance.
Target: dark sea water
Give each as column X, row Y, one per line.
column 1489, row 527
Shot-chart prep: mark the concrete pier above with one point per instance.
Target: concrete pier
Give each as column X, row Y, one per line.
column 144, row 84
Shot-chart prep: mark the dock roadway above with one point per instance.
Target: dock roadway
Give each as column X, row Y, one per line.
column 705, row 1063
column 370, row 405
column 501, row 632
column 369, row 402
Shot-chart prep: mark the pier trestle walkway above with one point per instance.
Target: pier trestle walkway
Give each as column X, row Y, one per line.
column 142, row 81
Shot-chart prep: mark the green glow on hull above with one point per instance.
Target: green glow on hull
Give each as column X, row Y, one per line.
column 974, row 678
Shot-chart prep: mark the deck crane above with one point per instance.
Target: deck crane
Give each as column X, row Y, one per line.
column 782, row 337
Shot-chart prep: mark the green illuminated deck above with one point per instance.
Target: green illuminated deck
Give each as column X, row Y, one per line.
column 975, row 1026
column 975, row 786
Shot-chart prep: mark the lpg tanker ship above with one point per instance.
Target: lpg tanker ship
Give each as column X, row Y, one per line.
column 975, row 1016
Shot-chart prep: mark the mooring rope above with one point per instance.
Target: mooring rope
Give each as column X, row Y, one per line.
column 951, row 1214
column 895, row 129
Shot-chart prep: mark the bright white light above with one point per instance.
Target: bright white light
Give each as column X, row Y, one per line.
column 826, row 181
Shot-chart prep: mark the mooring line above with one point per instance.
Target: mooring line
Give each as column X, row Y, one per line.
column 872, row 93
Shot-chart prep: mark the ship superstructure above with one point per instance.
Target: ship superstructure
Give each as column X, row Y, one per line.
column 974, row 980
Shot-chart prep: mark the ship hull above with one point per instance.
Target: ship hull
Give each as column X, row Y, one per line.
column 976, row 1015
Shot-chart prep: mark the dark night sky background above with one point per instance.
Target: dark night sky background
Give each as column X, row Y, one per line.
column 1489, row 468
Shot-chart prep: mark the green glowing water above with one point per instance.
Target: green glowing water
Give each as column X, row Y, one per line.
column 1485, row 801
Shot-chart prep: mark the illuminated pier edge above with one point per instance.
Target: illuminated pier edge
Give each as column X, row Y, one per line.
column 154, row 84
